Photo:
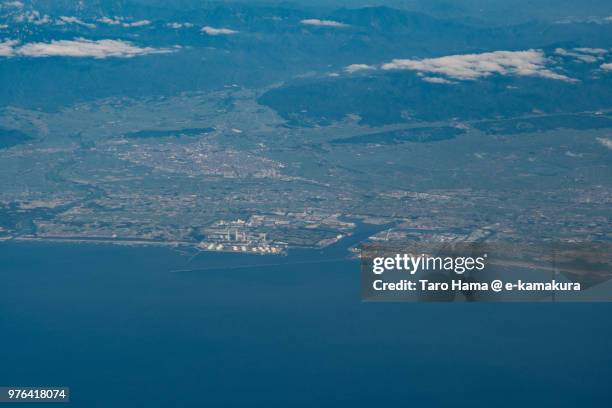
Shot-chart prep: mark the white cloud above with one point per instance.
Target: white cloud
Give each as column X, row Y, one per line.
column 110, row 21
column 13, row 4
column 588, row 20
column 437, row 80
column 80, row 48
column 75, row 20
column 33, row 17
column 589, row 55
column 605, row 142
column 179, row 25
column 140, row 23
column 323, row 23
column 474, row 66
column 118, row 20
column 607, row 66
column 6, row 48
column 596, row 51
column 218, row 31
column 358, row 67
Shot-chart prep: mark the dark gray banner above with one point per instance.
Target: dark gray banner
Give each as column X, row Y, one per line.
column 462, row 271
column 34, row 394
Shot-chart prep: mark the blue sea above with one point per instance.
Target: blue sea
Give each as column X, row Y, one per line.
column 151, row 327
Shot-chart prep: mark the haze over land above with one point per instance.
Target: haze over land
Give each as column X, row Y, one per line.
column 253, row 127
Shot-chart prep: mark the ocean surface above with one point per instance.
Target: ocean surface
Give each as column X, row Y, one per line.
column 151, row 327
